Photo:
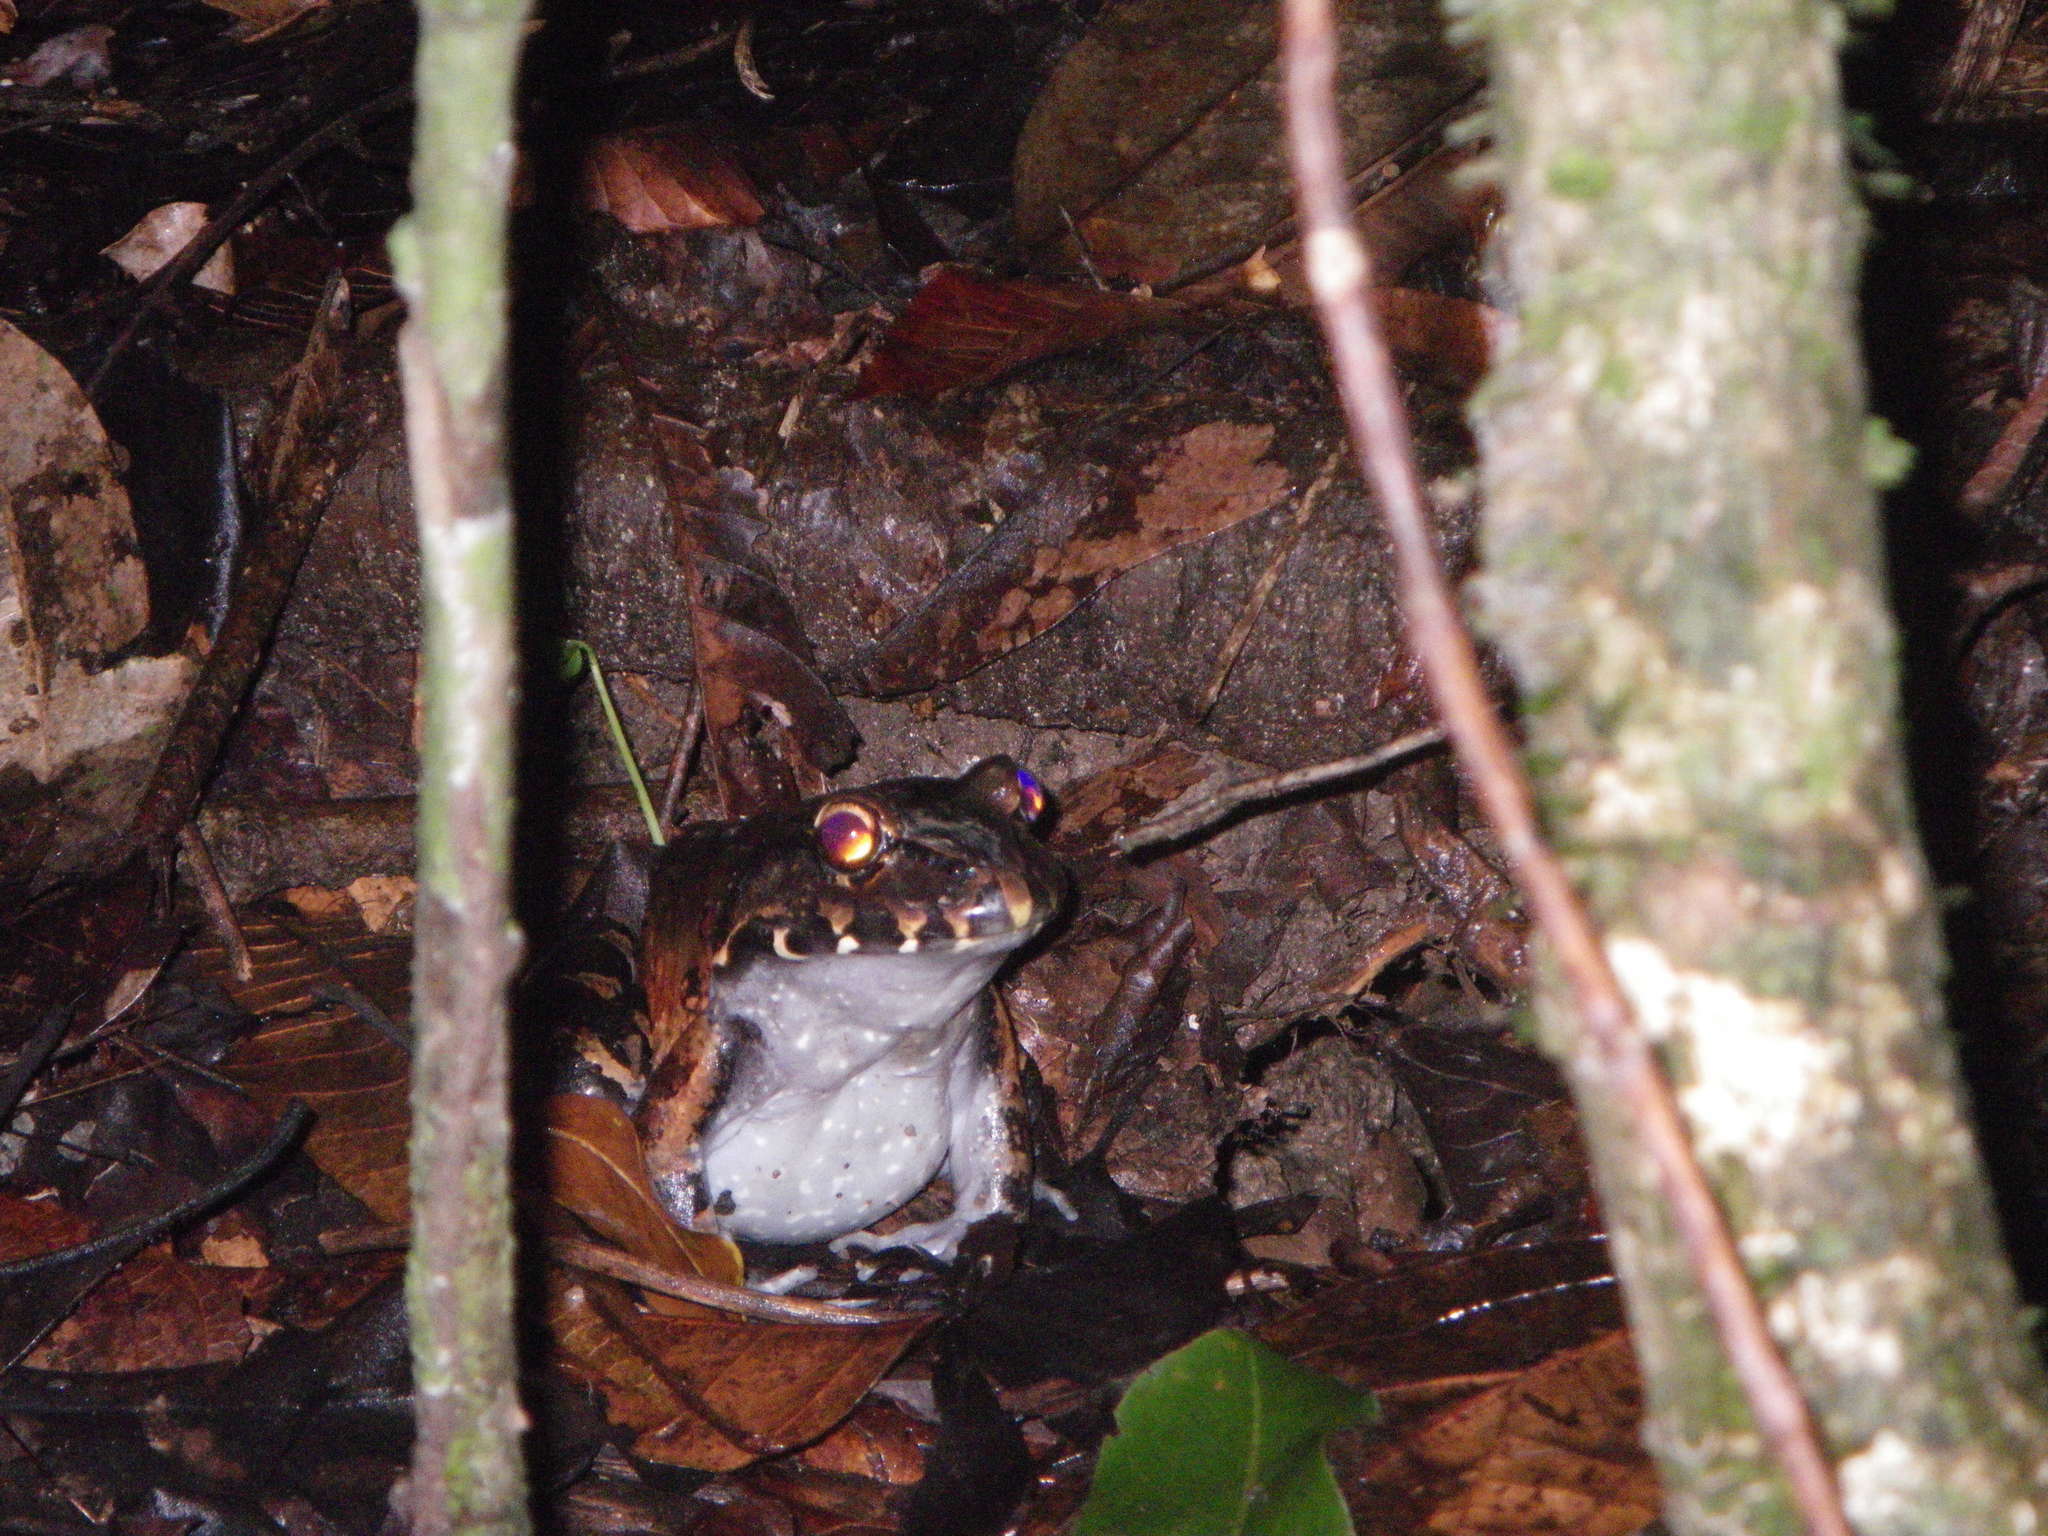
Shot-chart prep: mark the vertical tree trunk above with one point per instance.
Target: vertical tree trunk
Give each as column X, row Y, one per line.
column 1683, row 567
column 468, row 1475
column 1684, row 570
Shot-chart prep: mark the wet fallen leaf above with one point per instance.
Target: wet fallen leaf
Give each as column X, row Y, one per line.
column 1553, row 1451
column 155, row 1312
column 965, row 328
column 1158, row 134
column 716, row 1393
column 258, row 19
column 598, row 1172
column 1041, row 563
column 772, row 729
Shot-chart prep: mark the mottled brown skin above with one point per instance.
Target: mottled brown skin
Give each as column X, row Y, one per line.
column 803, row 1014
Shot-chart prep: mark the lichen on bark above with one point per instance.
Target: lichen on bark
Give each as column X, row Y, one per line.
column 1683, row 568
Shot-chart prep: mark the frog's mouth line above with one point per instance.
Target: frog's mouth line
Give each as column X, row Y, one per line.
column 1005, row 913
column 1000, row 916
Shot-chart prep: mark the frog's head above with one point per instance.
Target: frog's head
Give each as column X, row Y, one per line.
column 928, row 866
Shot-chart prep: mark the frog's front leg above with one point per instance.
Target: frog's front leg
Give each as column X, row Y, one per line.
column 988, row 1145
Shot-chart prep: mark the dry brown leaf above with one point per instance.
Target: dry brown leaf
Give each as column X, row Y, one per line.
column 258, row 19
column 766, row 1387
column 160, row 234
column 598, row 1172
column 666, row 180
column 316, row 1047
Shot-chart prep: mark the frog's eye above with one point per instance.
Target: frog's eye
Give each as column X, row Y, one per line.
column 1009, row 786
column 849, row 834
column 1030, row 796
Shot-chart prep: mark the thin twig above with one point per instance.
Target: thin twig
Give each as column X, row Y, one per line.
column 214, row 233
column 1203, row 807
column 611, row 1262
column 675, row 58
column 1262, row 589
column 1339, row 274
column 2010, row 451
column 213, row 896
column 40, row 1047
column 679, row 763
column 139, row 1234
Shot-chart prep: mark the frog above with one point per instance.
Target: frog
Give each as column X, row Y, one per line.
column 823, row 1038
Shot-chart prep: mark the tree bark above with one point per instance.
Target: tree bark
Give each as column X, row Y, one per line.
column 468, row 1475
column 1683, row 568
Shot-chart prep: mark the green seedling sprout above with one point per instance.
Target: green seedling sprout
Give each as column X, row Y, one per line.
column 577, row 657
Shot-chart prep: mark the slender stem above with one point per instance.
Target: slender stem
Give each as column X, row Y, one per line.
column 468, row 1474
column 620, row 742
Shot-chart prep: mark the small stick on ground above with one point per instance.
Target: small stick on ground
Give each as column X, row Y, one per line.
column 213, row 895
column 215, row 232
column 2007, row 454
column 679, row 763
column 1339, row 273
column 1262, row 589
column 1204, row 806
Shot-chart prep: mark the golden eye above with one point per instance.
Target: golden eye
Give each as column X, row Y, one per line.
column 849, row 834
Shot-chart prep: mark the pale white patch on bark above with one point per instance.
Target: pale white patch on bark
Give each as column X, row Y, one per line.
column 1765, row 1085
column 1675, row 406
column 450, row 550
column 1851, row 1315
column 1885, row 1481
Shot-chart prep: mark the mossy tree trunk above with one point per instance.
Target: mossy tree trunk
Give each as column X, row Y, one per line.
column 1683, row 567
column 468, row 1475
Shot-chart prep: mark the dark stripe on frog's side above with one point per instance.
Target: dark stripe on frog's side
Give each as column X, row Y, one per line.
column 1004, row 1058
column 690, row 896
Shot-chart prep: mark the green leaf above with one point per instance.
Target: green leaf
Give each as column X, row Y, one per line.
column 1223, row 1438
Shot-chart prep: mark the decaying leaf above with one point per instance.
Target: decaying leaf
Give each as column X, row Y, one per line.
column 163, row 232
column 1042, row 562
column 965, row 328
column 772, row 729
column 72, row 595
column 673, row 179
column 716, row 1393
column 1554, row 1451
column 1158, row 135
